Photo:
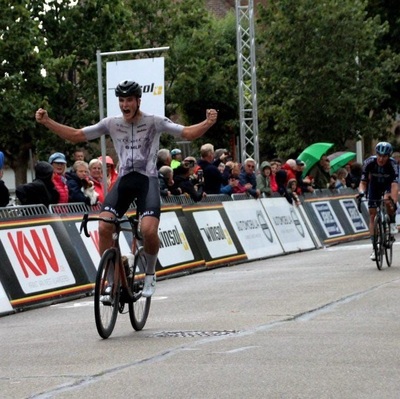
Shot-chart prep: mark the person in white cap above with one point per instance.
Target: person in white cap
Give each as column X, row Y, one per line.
column 59, row 164
column 136, row 138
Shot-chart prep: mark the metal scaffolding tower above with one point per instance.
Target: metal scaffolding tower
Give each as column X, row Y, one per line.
column 247, row 80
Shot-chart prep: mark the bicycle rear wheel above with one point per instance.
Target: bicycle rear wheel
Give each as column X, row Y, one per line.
column 140, row 306
column 378, row 241
column 106, row 295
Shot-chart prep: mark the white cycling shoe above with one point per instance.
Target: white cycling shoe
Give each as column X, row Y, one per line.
column 393, row 228
column 149, row 285
column 372, row 256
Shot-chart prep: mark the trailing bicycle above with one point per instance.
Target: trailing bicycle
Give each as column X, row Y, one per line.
column 119, row 279
column 382, row 240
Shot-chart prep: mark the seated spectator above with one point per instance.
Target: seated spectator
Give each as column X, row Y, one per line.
column 4, row 193
column 213, row 179
column 176, row 155
column 163, row 158
column 96, row 176
column 184, row 184
column 248, row 176
column 59, row 164
column 42, row 190
column 263, row 179
column 112, row 174
column 234, row 186
column 80, row 188
column 166, row 179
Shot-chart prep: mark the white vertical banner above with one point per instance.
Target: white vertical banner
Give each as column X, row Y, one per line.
column 148, row 72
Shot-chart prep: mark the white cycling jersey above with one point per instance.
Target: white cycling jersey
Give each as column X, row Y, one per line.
column 136, row 144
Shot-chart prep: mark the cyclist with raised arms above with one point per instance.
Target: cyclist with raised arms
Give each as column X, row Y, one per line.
column 136, row 137
column 379, row 177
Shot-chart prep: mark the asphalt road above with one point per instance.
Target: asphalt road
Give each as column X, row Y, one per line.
column 317, row 324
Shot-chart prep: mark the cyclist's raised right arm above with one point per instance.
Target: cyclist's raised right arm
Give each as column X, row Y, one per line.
column 63, row 131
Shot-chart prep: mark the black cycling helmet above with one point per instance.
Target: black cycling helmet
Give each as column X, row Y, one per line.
column 384, row 148
column 128, row 88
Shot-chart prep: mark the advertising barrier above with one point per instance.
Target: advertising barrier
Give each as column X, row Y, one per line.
column 45, row 259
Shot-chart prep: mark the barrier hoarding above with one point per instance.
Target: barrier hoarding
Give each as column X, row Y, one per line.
column 288, row 224
column 253, row 228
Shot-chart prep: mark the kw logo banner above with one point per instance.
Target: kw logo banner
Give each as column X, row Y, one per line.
column 215, row 234
column 92, row 242
column 37, row 258
column 174, row 246
column 149, row 73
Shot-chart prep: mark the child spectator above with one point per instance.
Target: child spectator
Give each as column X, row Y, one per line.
column 234, row 186
column 292, row 196
column 263, row 179
column 176, row 155
column 341, row 175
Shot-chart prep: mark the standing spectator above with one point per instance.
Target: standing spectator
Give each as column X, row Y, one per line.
column 303, row 185
column 166, row 179
column 354, row 177
column 112, row 174
column 213, row 179
column 341, row 176
column 248, row 175
column 290, row 166
column 319, row 173
column 184, row 184
column 96, row 176
column 272, row 178
column 263, row 179
column 163, row 158
column 42, row 190
column 176, row 155
column 4, row 193
column 80, row 188
column 59, row 164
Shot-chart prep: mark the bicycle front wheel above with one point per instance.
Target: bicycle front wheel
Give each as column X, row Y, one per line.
column 388, row 246
column 139, row 307
column 378, row 241
column 106, row 294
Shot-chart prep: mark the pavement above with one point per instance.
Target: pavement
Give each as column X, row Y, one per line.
column 315, row 324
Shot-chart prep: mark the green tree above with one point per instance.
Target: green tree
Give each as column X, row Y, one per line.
column 22, row 50
column 321, row 74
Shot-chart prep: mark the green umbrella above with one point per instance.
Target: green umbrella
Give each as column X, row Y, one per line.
column 312, row 154
column 340, row 159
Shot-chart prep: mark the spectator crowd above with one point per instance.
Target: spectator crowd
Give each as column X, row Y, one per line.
column 213, row 172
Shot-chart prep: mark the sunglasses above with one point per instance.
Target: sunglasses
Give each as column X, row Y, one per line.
column 251, row 166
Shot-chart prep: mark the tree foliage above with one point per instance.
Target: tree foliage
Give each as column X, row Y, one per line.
column 322, row 74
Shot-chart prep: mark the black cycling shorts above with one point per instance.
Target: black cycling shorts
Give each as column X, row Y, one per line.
column 134, row 186
column 376, row 192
